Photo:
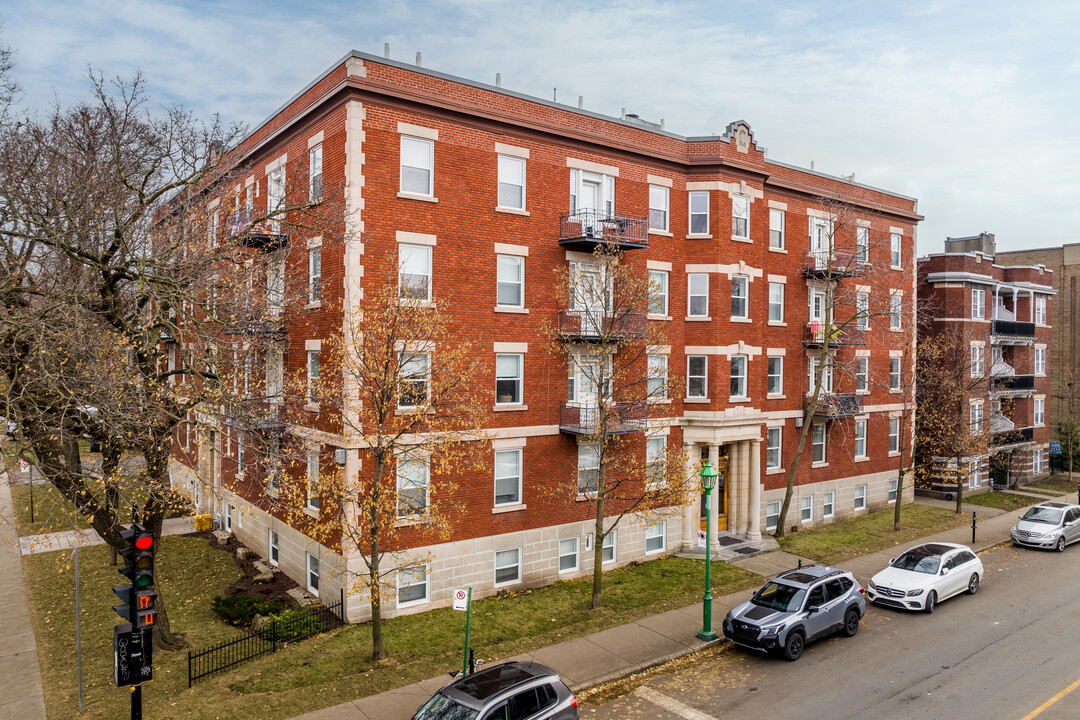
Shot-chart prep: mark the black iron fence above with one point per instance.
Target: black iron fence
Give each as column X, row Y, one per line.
column 838, row 405
column 620, row 418
column 596, row 324
column 817, row 334
column 277, row 634
column 602, row 226
column 822, row 263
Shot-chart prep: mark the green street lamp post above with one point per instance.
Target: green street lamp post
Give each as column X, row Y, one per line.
column 708, row 482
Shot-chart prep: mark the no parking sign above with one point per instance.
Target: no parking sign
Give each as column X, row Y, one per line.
column 461, row 600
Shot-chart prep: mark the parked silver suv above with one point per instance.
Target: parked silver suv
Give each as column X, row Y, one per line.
column 797, row 607
column 511, row 691
column 1048, row 525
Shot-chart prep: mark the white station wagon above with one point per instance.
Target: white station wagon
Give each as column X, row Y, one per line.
column 925, row 575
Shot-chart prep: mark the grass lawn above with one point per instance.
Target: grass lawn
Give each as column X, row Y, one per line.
column 1057, row 483
column 869, row 533
column 330, row 668
column 1001, row 500
column 52, row 512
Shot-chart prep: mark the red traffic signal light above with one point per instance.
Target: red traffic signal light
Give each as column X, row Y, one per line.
column 139, row 556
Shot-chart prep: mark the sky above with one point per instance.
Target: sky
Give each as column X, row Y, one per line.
column 972, row 107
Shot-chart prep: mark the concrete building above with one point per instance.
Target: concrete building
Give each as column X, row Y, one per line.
column 758, row 265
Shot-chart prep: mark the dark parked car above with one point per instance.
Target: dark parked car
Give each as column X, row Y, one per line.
column 511, row 691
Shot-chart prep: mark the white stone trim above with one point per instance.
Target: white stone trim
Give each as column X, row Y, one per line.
column 511, row 347
column 775, row 352
column 415, row 238
column 417, row 131
column 657, row 180
column 312, row 345
column 512, row 150
column 782, row 279
column 508, row 443
column 658, row 265
column 315, row 139
column 590, row 166
column 314, row 242
column 777, row 205
column 510, row 249
column 277, row 163
column 896, row 230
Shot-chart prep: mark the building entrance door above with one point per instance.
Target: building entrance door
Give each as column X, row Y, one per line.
column 719, row 493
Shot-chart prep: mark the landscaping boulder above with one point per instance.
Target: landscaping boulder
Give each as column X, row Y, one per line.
column 243, row 553
column 264, row 567
column 258, row 622
column 266, row 577
column 222, row 537
column 301, row 598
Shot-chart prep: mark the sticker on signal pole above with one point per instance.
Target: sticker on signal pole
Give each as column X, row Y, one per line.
column 701, row 538
column 461, row 600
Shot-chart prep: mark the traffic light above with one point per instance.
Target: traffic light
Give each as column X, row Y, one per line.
column 138, row 597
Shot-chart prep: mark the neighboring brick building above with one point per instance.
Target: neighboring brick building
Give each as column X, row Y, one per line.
column 469, row 181
column 1001, row 314
column 1065, row 326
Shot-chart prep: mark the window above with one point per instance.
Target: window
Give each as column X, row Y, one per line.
column 978, row 352
column 699, row 213
column 892, row 491
column 510, row 281
column 894, row 434
column 862, row 310
column 412, row 585
column 657, row 382
column 894, row 373
column 412, row 486
column 1040, row 361
column 508, row 477
column 214, row 228
column 739, row 289
column 740, row 216
column 775, row 376
column 772, row 515
column 228, row 517
column 813, row 364
column 976, row 417
column 312, row 574
column 895, row 311
column 414, row 267
column 776, row 302
column 860, row 497
column 1037, row 461
column 507, row 566
column 417, row 159
column 819, row 442
column 313, row 481
column 511, row 182
column 609, row 549
column 738, row 376
column 860, row 438
column 314, row 274
column 275, row 195
column 772, row 448
column 698, row 290
column 315, row 173
column 1040, row 310
column 978, row 304
column 895, row 239
column 508, row 372
column 568, row 554
column 658, row 292
column 776, row 228
column 412, row 379
column 588, row 459
column 313, row 376
column 862, row 245
column 697, row 367
column 828, row 504
column 654, row 538
column 658, row 207
column 862, row 374
column 655, row 452
column 592, row 192
column 272, row 544
column 806, row 508
column 1040, row 411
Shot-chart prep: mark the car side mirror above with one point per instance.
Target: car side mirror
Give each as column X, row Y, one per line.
column 944, row 571
column 812, row 609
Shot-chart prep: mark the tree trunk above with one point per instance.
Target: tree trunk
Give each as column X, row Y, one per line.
column 378, row 651
column 959, row 487
column 598, row 533
column 110, row 462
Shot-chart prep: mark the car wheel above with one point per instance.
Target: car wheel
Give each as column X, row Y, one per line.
column 973, row 584
column 794, row 646
column 1060, row 547
column 931, row 601
column 851, row 623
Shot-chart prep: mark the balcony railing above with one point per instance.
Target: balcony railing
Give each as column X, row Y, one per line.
column 259, row 322
column 1015, row 436
column 585, row 229
column 838, row 405
column 259, row 414
column 1013, row 329
column 262, row 234
column 822, row 264
column 593, row 325
column 1012, row 384
column 816, row 335
column 620, row 418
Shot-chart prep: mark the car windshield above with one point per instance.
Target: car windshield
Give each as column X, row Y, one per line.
column 917, row 561
column 777, row 596
column 441, row 707
column 1043, row 515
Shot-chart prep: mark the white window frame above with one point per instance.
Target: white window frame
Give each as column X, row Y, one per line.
column 407, row 290
column 978, row 355
column 698, row 213
column 860, row 438
column 896, row 311
column 1040, row 361
column 275, row 196
column 563, row 554
column 518, row 378
column 975, row 417
column 516, row 564
column 421, row 146
column 740, row 291
column 828, row 504
column 658, row 293
column 315, row 179
column 774, row 448
column 896, row 258
column 411, row 366
column 806, row 509
column 893, row 484
column 1039, row 413
column 818, row 427
column 518, row 456
column 772, row 515
column 1040, row 311
column 505, row 164
column 777, row 220
column 654, row 532
column 776, row 302
column 656, row 384
column 739, row 370
column 1037, row 461
column 506, row 262
column 813, row 364
column 894, row 434
column 778, row 376
column 588, row 461
column 611, row 541
column 660, row 206
column 405, row 483
column 655, row 461
column 704, row 376
column 978, row 304
column 740, row 210
column 312, row 572
column 692, row 292
column 860, row 497
column 312, row 493
column 862, row 244
column 862, row 310
column 315, row 274
column 273, row 547
column 408, row 573
column 894, row 374
column 862, row 373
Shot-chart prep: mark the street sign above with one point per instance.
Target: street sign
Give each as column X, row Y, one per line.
column 1055, row 448
column 24, row 467
column 461, row 600
column 132, row 655
column 701, row 538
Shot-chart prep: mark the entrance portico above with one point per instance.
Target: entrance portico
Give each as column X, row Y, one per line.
column 737, row 507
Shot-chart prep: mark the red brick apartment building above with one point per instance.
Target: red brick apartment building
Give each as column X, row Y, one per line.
column 1001, row 315
column 485, row 191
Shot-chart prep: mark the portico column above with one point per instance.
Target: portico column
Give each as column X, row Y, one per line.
column 732, row 486
column 754, row 505
column 743, row 481
column 692, row 512
column 714, row 503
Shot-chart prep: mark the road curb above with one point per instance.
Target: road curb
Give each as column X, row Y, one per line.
column 624, row 673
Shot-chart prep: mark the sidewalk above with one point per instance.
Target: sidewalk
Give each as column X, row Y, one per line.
column 48, row 542
column 18, row 648
column 617, row 652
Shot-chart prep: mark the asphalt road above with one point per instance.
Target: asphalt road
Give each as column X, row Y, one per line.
column 1002, row 653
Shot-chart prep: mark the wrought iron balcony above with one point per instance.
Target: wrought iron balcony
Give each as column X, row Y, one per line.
column 816, row 335
column 1012, row 332
column 838, row 405
column 619, row 418
column 262, row 234
column 1016, row 436
column 594, row 326
column 585, row 229
column 1011, row 385
column 821, row 265
column 257, row 414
